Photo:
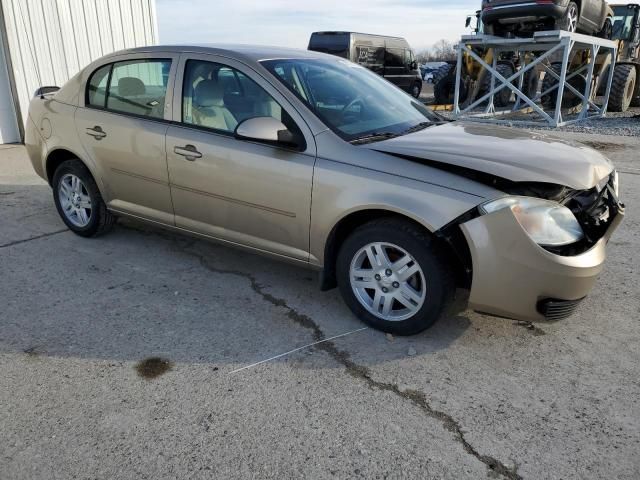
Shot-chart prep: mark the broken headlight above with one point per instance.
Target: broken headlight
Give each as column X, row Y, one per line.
column 548, row 223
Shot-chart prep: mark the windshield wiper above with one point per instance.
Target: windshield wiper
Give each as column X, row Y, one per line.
column 417, row 127
column 373, row 137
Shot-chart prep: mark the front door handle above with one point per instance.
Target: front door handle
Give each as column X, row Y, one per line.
column 96, row 132
column 189, row 152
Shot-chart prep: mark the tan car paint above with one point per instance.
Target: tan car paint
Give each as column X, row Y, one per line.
column 243, row 192
column 505, row 152
column 132, row 158
column 511, row 272
column 278, row 202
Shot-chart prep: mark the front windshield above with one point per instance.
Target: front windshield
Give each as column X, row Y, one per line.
column 622, row 22
column 351, row 100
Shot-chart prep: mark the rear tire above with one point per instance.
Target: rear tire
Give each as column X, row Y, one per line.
column 569, row 99
column 503, row 97
column 623, row 88
column 570, row 19
column 441, row 72
column 413, row 270
column 78, row 200
column 444, row 90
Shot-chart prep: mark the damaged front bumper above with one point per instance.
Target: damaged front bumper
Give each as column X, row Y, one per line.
column 516, row 278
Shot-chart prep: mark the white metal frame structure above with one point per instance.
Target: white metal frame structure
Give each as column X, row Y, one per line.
column 546, row 45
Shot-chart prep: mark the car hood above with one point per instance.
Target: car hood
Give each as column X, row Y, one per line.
column 510, row 153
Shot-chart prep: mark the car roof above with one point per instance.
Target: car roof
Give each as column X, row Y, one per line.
column 253, row 53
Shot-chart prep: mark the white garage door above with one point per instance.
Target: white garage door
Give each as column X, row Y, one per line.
column 8, row 124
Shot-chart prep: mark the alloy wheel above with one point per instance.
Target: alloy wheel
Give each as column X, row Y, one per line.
column 75, row 200
column 572, row 18
column 387, row 281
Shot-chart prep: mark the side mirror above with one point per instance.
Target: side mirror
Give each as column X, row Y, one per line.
column 468, row 22
column 265, row 129
column 413, row 65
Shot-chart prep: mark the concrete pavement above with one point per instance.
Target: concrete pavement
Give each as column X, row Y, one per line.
column 474, row 397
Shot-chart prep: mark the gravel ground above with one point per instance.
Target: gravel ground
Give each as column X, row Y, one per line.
column 135, row 355
column 614, row 123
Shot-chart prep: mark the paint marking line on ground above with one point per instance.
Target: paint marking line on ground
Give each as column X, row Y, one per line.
column 296, row 350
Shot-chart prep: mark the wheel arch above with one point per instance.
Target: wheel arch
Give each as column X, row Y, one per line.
column 56, row 156
column 456, row 251
column 579, row 4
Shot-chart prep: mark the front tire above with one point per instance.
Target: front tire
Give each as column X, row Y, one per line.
column 393, row 277
column 607, row 29
column 78, row 200
column 416, row 89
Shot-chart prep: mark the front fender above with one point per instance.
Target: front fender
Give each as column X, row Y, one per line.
column 341, row 190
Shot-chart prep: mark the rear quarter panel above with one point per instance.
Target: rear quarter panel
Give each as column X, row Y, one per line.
column 52, row 127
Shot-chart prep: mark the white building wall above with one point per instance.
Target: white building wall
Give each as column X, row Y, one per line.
column 9, row 131
column 49, row 41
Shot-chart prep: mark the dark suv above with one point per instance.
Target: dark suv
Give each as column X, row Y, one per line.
column 504, row 17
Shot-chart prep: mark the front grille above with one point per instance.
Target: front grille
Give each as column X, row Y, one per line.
column 554, row 309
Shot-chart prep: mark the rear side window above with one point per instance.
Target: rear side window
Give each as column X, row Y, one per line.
column 371, row 57
column 97, row 87
column 138, row 87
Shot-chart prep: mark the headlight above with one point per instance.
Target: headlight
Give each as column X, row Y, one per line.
column 547, row 223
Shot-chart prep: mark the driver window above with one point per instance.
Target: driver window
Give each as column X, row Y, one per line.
column 139, row 87
column 220, row 97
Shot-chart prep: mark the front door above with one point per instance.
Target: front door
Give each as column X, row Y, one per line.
column 395, row 69
column 240, row 191
column 122, row 127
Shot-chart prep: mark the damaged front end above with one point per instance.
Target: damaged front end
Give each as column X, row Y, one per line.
column 511, row 272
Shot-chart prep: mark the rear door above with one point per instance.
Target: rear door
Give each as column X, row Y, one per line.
column 244, row 192
column 592, row 13
column 122, row 124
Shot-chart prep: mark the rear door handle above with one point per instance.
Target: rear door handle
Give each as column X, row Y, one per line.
column 189, row 152
column 96, row 132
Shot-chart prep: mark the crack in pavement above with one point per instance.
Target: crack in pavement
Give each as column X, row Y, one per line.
column 342, row 357
column 24, row 240
column 361, row 372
